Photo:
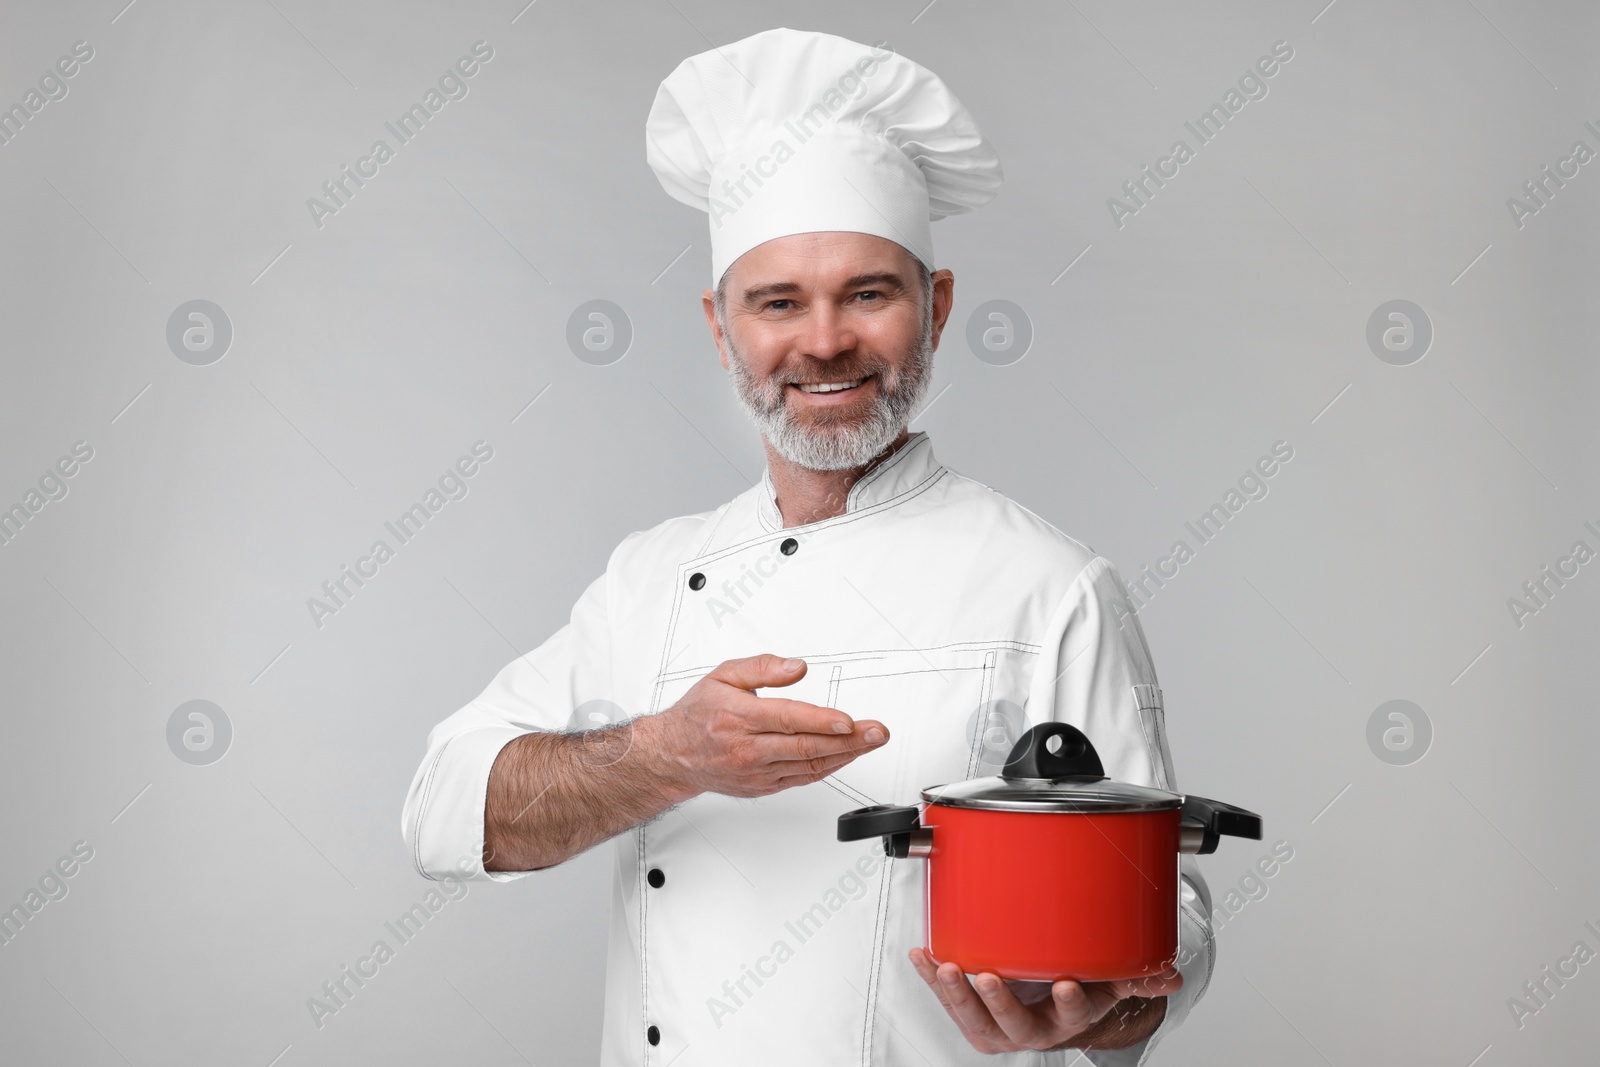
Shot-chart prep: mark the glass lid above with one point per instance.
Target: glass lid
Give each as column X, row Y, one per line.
column 1052, row 768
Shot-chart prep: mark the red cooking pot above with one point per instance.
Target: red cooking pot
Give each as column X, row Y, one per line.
column 1050, row 870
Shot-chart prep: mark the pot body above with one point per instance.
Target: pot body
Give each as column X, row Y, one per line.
column 1052, row 895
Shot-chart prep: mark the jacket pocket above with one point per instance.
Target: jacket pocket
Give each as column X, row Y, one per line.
column 1152, row 720
column 952, row 713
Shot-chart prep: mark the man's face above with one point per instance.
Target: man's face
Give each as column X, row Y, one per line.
column 829, row 343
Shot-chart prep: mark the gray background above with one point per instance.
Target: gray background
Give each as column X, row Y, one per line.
column 370, row 353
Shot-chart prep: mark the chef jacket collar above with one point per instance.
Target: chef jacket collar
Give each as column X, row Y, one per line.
column 908, row 467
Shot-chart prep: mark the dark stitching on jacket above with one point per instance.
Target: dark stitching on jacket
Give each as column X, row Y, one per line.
column 644, row 954
column 1152, row 753
column 677, row 596
column 422, row 810
column 1211, row 945
column 902, row 674
column 1162, row 747
column 983, row 700
column 765, row 499
column 828, row 524
column 716, row 523
column 672, row 627
column 874, row 475
column 672, row 618
column 869, row 654
column 880, row 934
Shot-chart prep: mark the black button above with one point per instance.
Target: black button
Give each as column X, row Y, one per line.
column 789, row 547
column 656, row 878
column 653, row 1035
column 697, row 581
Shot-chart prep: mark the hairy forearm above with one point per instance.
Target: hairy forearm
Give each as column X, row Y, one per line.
column 554, row 795
column 1129, row 1023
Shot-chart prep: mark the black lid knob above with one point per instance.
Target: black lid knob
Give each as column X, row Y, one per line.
column 1054, row 750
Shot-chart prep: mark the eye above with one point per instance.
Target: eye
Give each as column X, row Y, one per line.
column 771, row 305
column 870, row 292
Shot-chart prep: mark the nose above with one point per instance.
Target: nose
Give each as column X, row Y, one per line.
column 827, row 333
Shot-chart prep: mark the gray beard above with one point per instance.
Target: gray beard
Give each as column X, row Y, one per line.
column 836, row 442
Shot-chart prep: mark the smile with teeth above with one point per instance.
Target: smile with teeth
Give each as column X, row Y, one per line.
column 827, row 387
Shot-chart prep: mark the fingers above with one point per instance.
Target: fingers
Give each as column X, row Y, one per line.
column 1079, row 1005
column 762, row 744
column 784, row 716
column 868, row 734
column 929, row 973
column 970, row 1011
column 756, row 672
column 791, row 773
column 993, row 1019
column 925, row 967
column 775, row 714
column 780, row 715
column 1022, row 1027
column 832, row 754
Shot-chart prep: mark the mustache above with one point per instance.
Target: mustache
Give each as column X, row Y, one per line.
column 817, row 370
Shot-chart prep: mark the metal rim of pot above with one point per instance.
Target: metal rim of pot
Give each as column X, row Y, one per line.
column 1053, row 768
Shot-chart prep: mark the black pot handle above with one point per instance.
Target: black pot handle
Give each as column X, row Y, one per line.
column 1073, row 755
column 1215, row 820
column 878, row 820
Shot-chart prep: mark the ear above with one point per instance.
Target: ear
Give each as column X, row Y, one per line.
column 944, row 288
column 708, row 304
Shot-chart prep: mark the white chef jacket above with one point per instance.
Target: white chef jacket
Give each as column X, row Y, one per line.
column 934, row 604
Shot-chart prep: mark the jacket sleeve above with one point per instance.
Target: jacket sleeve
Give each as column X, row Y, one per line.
column 562, row 684
column 1095, row 672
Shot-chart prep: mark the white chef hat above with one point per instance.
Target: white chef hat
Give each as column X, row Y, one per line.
column 790, row 131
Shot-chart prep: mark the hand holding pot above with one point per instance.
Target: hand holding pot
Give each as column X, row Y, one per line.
column 1052, row 873
column 1075, row 1014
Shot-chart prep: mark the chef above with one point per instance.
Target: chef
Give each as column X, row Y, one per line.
column 862, row 624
